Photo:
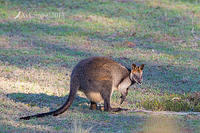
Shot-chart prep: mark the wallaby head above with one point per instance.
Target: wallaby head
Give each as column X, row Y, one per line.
column 136, row 73
column 134, row 77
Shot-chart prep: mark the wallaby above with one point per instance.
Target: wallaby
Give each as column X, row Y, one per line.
column 98, row 77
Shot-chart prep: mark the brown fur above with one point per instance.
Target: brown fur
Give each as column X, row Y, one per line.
column 98, row 77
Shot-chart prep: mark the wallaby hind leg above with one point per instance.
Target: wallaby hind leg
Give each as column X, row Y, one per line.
column 107, row 106
column 106, row 95
column 93, row 105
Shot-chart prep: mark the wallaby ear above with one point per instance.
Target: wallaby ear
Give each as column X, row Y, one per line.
column 133, row 66
column 142, row 67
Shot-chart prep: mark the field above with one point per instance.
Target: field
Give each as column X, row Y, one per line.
column 41, row 41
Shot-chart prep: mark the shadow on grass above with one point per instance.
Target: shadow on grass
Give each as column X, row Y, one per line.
column 99, row 121
column 44, row 100
column 28, row 29
column 31, row 50
column 9, row 127
column 53, row 55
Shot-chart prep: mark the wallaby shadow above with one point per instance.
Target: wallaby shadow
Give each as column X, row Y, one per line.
column 44, row 100
column 93, row 120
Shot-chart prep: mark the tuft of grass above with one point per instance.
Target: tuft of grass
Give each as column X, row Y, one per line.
column 172, row 102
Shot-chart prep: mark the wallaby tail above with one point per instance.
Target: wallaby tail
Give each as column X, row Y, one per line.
column 73, row 90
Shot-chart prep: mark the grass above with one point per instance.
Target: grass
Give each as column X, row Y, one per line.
column 47, row 39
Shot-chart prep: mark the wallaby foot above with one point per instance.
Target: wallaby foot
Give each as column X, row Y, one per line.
column 93, row 105
column 108, row 108
column 115, row 109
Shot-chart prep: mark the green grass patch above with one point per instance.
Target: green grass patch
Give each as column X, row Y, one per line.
column 172, row 102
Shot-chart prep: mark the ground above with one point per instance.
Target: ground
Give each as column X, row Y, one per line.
column 41, row 42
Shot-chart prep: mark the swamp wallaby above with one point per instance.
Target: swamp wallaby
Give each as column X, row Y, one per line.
column 98, row 77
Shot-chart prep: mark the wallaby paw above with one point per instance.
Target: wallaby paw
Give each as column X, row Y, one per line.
column 117, row 109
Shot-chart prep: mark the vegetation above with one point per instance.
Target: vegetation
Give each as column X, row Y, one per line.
column 41, row 41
